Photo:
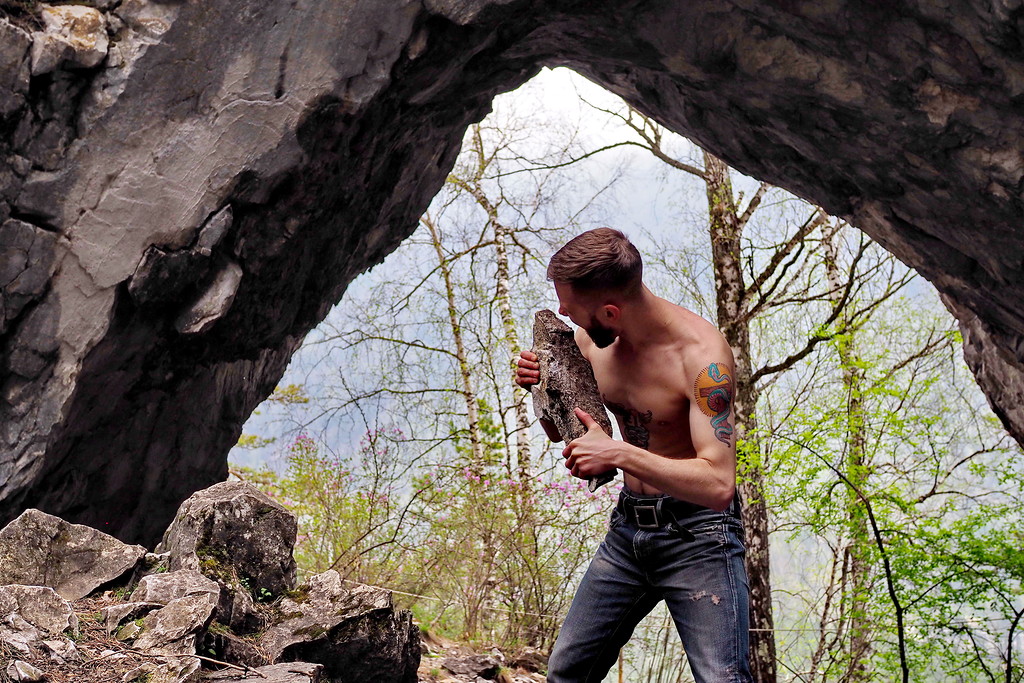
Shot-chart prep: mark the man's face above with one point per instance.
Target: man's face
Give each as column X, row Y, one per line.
column 584, row 310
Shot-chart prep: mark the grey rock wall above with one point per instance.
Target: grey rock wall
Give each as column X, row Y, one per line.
column 186, row 187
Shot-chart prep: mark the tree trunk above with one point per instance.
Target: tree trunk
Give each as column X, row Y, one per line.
column 857, row 470
column 522, row 418
column 527, row 525
column 725, row 230
column 468, row 393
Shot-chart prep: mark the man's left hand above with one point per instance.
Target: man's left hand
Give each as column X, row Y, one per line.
column 593, row 453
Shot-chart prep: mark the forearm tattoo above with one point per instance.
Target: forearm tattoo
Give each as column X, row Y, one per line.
column 713, row 392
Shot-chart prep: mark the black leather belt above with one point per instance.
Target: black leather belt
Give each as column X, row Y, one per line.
column 654, row 513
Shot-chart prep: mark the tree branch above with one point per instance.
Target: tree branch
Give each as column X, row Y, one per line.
column 889, row 581
column 797, row 240
column 752, row 205
column 572, row 161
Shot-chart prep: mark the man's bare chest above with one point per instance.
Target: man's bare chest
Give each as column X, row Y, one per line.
column 647, row 404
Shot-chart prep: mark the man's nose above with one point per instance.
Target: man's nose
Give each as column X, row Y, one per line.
column 562, row 311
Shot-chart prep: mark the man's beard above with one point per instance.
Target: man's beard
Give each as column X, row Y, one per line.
column 599, row 334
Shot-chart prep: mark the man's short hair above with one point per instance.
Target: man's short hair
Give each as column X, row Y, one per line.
column 599, row 259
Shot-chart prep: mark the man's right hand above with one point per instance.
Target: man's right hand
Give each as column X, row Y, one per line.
column 527, row 370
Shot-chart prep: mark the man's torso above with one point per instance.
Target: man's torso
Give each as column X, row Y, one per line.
column 647, row 391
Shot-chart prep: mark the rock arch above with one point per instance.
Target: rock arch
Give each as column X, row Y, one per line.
column 187, row 186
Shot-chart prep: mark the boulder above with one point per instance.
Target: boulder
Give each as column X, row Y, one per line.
column 473, row 666
column 23, row 671
column 165, row 588
column 174, row 628
column 42, row 550
column 74, row 35
column 165, row 670
column 31, row 614
column 530, row 659
column 233, row 530
column 226, row 646
column 185, row 602
column 62, row 651
column 152, row 563
column 239, row 611
column 115, row 615
column 355, row 632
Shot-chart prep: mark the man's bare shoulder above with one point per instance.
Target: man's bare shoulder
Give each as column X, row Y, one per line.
column 699, row 341
column 584, row 342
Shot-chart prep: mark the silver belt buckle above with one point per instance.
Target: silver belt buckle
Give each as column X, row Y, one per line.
column 642, row 513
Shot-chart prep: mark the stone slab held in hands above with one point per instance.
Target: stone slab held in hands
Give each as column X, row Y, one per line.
column 566, row 382
column 566, row 379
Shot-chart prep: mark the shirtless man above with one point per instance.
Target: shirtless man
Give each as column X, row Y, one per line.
column 675, row 535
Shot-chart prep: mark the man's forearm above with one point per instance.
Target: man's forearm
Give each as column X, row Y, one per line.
column 696, row 480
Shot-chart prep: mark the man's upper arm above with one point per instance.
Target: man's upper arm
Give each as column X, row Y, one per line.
column 711, row 416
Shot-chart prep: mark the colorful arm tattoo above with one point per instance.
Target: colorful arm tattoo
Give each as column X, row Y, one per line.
column 713, row 392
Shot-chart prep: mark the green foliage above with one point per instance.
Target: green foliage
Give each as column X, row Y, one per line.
column 900, row 435
column 290, row 394
column 253, row 441
column 510, row 551
column 299, row 595
column 217, row 628
column 493, row 560
column 345, row 509
column 213, row 564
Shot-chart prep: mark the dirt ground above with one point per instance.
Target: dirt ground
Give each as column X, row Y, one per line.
column 103, row 659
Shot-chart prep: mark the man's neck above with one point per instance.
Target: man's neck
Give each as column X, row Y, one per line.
column 646, row 321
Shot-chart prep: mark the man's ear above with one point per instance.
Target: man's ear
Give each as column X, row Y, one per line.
column 610, row 313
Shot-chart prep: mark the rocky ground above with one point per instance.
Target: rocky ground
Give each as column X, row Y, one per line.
column 105, row 659
column 102, row 658
column 447, row 661
column 218, row 602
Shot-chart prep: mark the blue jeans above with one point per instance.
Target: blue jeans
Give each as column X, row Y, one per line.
column 693, row 562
